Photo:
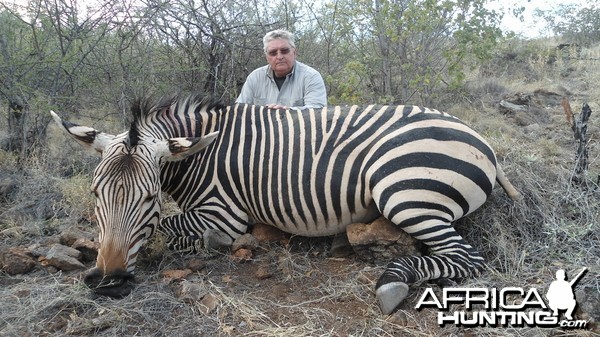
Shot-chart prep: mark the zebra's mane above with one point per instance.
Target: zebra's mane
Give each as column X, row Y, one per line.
column 144, row 111
column 140, row 107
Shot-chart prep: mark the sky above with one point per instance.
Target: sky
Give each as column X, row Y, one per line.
column 530, row 27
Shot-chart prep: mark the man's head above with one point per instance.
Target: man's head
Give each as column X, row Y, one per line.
column 280, row 51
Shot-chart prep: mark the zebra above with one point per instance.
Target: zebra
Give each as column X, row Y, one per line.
column 309, row 173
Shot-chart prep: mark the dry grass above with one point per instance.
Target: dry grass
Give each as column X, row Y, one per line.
column 308, row 293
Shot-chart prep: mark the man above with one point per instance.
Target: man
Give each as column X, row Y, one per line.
column 283, row 83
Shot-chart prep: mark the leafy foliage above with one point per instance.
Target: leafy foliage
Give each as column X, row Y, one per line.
column 577, row 23
column 60, row 55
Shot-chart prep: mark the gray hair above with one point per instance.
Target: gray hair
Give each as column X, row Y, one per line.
column 278, row 34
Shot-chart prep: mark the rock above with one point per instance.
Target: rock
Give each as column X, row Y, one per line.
column 63, row 257
column 524, row 108
column 89, row 249
column 38, row 250
column 190, row 292
column 379, row 231
column 209, row 303
column 16, row 261
column 508, row 108
column 588, row 308
column 263, row 272
column 548, row 98
column 214, row 239
column 242, row 255
column 246, row 241
column 195, row 264
column 519, row 98
column 58, row 249
column 176, row 274
column 72, row 234
column 381, row 241
column 266, row 233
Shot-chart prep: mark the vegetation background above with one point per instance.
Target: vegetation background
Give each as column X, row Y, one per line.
column 89, row 62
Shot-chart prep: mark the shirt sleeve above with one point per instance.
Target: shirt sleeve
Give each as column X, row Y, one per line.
column 247, row 94
column 315, row 93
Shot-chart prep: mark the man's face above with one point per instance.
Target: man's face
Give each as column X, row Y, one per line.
column 281, row 56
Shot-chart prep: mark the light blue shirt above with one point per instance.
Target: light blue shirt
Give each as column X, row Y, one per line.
column 303, row 88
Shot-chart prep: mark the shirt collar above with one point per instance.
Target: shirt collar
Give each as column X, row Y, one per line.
column 271, row 75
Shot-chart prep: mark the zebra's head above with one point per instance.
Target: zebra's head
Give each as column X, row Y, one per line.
column 127, row 187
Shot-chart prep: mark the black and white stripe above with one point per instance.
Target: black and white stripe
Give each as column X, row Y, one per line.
column 314, row 172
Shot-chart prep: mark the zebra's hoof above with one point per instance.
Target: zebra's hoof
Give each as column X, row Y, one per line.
column 390, row 295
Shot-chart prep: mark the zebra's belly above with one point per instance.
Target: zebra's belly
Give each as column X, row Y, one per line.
column 322, row 225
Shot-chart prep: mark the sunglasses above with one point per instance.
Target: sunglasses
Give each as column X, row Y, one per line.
column 283, row 51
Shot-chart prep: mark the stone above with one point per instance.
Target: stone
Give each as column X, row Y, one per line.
column 266, row 233
column 196, row 264
column 508, row 108
column 176, row 274
column 242, row 255
column 63, row 257
column 209, row 303
column 379, row 231
column 524, row 108
column 89, row 249
column 588, row 308
column 214, row 239
column 72, row 234
column 263, row 272
column 38, row 250
column 381, row 241
column 246, row 241
column 548, row 98
column 190, row 292
column 16, row 261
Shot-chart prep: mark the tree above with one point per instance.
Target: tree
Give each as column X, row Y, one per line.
column 410, row 48
column 42, row 52
column 576, row 23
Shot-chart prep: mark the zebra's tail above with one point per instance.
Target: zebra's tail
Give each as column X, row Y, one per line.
column 506, row 185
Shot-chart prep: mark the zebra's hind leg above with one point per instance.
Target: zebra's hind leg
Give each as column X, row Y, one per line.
column 451, row 257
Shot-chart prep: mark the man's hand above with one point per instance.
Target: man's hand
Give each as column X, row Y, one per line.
column 276, row 106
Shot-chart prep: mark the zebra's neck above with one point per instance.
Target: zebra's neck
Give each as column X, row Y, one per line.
column 180, row 179
column 183, row 118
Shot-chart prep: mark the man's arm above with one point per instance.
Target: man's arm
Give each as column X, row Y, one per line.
column 315, row 93
column 246, row 95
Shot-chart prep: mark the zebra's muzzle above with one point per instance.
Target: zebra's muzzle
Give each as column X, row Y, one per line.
column 118, row 284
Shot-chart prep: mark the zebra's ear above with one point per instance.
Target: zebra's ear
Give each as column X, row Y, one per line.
column 174, row 149
column 90, row 138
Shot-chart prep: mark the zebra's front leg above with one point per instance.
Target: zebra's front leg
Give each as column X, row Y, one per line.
column 451, row 257
column 185, row 233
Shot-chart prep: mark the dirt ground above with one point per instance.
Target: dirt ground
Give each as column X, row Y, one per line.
column 287, row 288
